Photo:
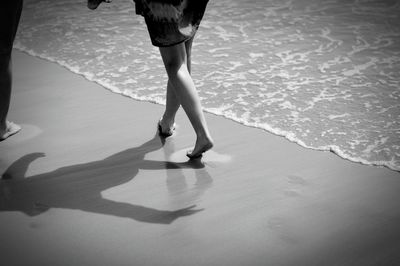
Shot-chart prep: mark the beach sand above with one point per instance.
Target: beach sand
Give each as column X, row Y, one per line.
column 88, row 182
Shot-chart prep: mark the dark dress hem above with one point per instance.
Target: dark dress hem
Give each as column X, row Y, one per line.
column 167, row 31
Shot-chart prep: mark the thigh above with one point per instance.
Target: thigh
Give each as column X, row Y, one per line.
column 188, row 47
column 173, row 56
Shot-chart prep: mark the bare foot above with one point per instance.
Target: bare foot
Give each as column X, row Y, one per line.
column 165, row 129
column 11, row 129
column 201, row 147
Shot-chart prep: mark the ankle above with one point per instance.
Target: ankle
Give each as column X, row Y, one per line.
column 167, row 120
column 205, row 138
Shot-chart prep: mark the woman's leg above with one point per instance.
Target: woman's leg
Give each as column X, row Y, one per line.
column 175, row 61
column 172, row 106
column 188, row 48
column 10, row 13
column 172, row 102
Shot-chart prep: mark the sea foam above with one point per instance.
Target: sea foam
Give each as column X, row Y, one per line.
column 323, row 74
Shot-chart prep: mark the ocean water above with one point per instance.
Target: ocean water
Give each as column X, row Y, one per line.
column 322, row 73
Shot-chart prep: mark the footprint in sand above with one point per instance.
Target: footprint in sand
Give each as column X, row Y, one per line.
column 296, row 181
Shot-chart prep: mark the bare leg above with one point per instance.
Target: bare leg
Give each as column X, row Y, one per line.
column 188, row 47
column 172, row 106
column 173, row 103
column 5, row 89
column 10, row 13
column 7, row 128
column 175, row 61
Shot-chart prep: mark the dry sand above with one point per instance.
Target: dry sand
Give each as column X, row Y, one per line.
column 88, row 182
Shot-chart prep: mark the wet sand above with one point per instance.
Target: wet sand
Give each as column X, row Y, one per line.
column 88, row 182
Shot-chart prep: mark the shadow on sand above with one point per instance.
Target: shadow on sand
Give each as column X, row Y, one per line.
column 79, row 186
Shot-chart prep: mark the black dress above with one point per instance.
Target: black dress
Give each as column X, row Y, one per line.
column 170, row 22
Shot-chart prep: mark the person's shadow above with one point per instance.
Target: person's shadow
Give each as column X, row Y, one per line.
column 79, row 186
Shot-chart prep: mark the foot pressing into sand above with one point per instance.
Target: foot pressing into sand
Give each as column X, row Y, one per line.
column 202, row 145
column 9, row 130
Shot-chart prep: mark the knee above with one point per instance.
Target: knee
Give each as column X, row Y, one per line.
column 174, row 66
column 174, row 58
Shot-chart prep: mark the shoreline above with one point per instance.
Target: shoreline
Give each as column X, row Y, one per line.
column 266, row 128
column 88, row 182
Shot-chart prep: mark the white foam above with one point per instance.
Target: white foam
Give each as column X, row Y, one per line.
column 322, row 87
